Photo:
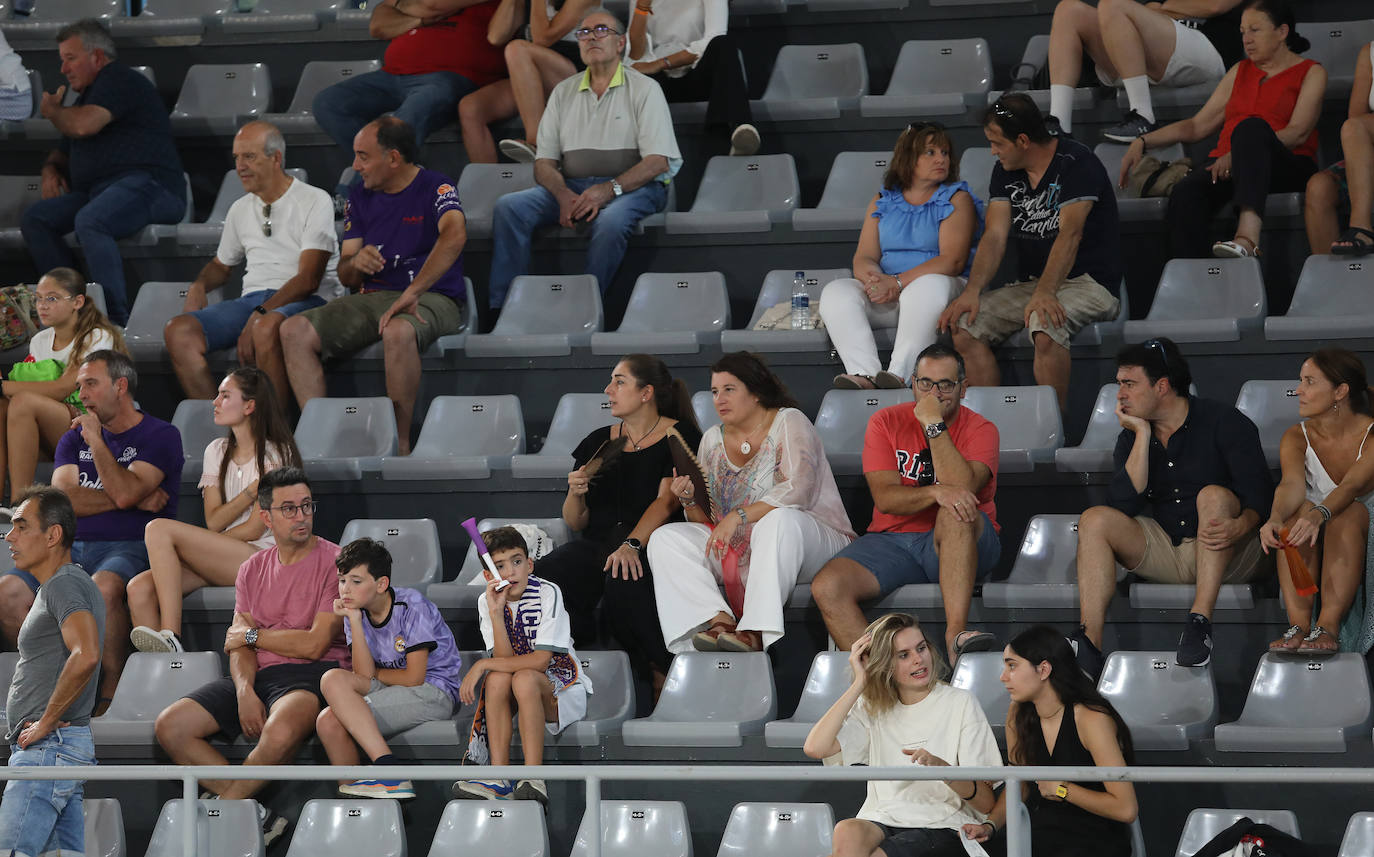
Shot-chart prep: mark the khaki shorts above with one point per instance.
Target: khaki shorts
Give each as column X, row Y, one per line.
column 348, row 324
column 1194, row 60
column 1165, row 562
column 1001, row 312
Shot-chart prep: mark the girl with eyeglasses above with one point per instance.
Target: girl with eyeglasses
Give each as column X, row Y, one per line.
column 183, row 557
column 35, row 414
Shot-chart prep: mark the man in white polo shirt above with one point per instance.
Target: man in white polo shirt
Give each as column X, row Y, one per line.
column 284, row 230
column 605, row 155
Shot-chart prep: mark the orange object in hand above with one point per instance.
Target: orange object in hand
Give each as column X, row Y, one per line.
column 1302, row 578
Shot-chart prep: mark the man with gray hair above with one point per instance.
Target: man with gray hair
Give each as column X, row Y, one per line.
column 115, row 170
column 283, row 231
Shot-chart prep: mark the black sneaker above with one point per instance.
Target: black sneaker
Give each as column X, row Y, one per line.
column 1134, row 125
column 1055, row 129
column 1195, row 644
column 1089, row 657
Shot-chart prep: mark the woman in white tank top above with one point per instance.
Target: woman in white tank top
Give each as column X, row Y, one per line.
column 1351, row 180
column 1322, row 499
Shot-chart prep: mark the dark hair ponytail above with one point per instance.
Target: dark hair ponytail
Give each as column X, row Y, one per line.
column 671, row 396
column 1281, row 13
column 1341, row 366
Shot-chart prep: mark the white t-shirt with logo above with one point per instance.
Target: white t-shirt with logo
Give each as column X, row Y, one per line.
column 302, row 219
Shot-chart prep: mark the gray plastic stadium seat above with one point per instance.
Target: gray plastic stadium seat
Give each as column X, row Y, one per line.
column 980, row 673
column 280, row 16
column 341, row 438
column 162, row 18
column 1325, row 303
column 778, row 830
column 17, row 193
column 543, row 317
column 934, row 77
column 195, row 420
column 440, row 739
column 1273, row 407
column 318, row 75
column 1045, row 571
column 514, row 828
column 349, row 828
column 705, row 409
column 154, row 306
column 1204, row 824
column 104, row 828
column 1179, row 596
column 825, row 682
column 49, row 16
column 1034, row 58
column 1094, row 453
column 1166, row 705
column 813, row 82
column 1204, row 300
column 843, row 419
column 413, row 543
column 217, row 99
column 670, row 314
column 741, row 195
column 1027, row 420
column 639, row 828
column 777, row 289
column 463, row 590
column 480, row 185
column 852, row 5
column 1270, row 723
column 854, row 180
column 1336, row 45
column 463, row 437
column 151, row 681
column 575, row 415
column 1133, row 208
column 230, row 189
column 1359, row 836
column 975, row 167
column 711, row 699
column 224, row 828
column 609, row 707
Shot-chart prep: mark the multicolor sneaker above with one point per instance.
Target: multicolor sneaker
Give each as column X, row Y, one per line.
column 483, row 790
column 146, row 639
column 397, row 789
column 532, row 790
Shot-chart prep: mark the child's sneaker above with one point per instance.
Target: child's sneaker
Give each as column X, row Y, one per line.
column 146, row 639
column 532, row 790
column 397, row 789
column 483, row 790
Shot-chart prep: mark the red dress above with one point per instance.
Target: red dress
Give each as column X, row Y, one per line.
column 1271, row 98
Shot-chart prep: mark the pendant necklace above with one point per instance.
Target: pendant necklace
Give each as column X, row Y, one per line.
column 745, row 446
column 624, row 431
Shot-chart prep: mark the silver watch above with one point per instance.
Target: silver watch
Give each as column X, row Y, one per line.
column 616, row 188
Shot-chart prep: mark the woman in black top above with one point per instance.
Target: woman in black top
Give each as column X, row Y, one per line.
column 1057, row 717
column 617, row 496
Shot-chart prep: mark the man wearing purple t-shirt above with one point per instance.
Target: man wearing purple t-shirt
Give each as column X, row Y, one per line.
column 403, row 239
column 121, row 468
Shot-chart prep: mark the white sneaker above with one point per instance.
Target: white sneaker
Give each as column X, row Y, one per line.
column 518, row 151
column 744, row 141
column 146, row 639
column 532, row 790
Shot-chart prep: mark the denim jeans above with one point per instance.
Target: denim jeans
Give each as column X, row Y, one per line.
column 100, row 218
column 45, row 816
column 424, row 101
column 519, row 214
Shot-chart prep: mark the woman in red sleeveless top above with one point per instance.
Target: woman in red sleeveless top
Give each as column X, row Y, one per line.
column 1266, row 108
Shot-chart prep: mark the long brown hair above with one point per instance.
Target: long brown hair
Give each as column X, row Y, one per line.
column 1341, row 366
column 880, row 687
column 89, row 318
column 910, row 145
column 268, row 421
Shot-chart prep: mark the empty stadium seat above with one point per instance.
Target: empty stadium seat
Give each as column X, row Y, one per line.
column 1204, row 300
column 1094, row 453
column 934, row 77
column 349, row 828
column 777, row 289
column 195, row 420
column 611, row 704
column 852, row 5
column 163, row 18
column 1165, row 705
column 1336, row 45
column 463, row 437
column 280, row 16
column 854, row 179
column 49, row 16
column 480, row 185
column 1027, row 420
column 1273, row 407
column 1271, row 723
column 710, row 699
column 17, row 193
column 670, row 314
column 230, row 189
column 980, row 673
column 573, row 419
column 739, row 194
column 513, row 828
column 975, row 167
column 1204, row 824
column 104, row 828
column 639, row 828
column 154, row 306
column 705, row 409
column 813, row 82
column 1045, row 574
column 224, row 828
column 151, row 681
column 1133, row 208
column 1179, row 596
column 1324, row 305
column 1359, row 836
column 843, row 419
column 341, row 438
column 778, row 830
column 417, row 560
column 316, row 76
column 543, row 317
column 217, row 99
column 828, row 678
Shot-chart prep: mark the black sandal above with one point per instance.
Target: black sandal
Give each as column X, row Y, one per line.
column 1354, row 241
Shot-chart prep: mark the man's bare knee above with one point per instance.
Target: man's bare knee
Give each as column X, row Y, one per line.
column 841, row 582
column 1217, row 500
column 184, row 337
column 298, row 336
column 267, row 332
column 949, row 526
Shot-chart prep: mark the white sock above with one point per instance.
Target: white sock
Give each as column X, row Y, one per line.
column 1061, row 105
column 1138, row 94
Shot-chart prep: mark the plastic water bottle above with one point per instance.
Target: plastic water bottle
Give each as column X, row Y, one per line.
column 801, row 303
column 22, row 8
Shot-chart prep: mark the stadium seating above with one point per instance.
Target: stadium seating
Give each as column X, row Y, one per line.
column 230, row 189
column 1203, row 824
column 741, row 195
column 463, row 437
column 1321, row 308
column 1134, row 208
column 17, row 193
column 829, row 677
column 843, row 419
column 195, row 420
column 1027, row 420
column 611, row 703
column 710, row 699
column 513, row 828
column 575, row 416
column 481, row 185
column 1359, row 836
column 217, row 99
column 224, row 828
column 777, row 289
column 150, row 682
column 1273, row 407
column 154, row 306
column 1165, row 705
column 975, row 167
column 980, row 673
column 345, row 437
column 813, row 82
column 1093, row 454
column 1204, row 300
column 104, row 828
column 542, row 316
column 1270, row 722
column 349, row 828
column 854, row 180
column 413, row 544
column 778, row 830
column 316, row 76
column 934, row 77
column 639, row 828
column 670, row 314
column 1336, row 45
column 1045, row 573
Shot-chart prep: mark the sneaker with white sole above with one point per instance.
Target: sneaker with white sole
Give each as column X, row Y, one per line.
column 146, row 639
column 273, row 825
column 744, row 141
column 517, row 150
column 532, row 790
column 1134, row 125
column 395, row 789
column 483, row 790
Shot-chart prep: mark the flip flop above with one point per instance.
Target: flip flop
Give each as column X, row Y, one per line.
column 1309, row 643
column 1355, row 241
column 974, row 641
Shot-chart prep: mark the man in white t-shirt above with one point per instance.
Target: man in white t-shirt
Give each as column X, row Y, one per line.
column 284, row 230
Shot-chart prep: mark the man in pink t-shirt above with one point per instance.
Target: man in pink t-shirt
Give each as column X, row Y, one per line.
column 932, row 470
column 285, row 636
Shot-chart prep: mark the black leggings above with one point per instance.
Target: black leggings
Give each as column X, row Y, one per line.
column 718, row 79
column 1260, row 165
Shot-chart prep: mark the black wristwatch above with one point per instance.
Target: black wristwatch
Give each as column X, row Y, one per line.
column 934, row 430
column 634, row 543
column 260, row 309
column 251, row 637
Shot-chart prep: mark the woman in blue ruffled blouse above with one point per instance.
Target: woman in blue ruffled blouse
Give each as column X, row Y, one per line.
column 914, row 253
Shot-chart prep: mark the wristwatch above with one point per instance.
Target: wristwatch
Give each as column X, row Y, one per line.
column 634, row 543
column 743, row 515
column 251, row 637
column 934, row 430
column 1061, row 791
column 616, row 188
column 260, row 309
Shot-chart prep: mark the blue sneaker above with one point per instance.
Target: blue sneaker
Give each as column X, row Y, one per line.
column 483, row 790
column 396, row 789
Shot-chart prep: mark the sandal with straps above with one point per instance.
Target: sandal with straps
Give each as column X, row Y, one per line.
column 1291, row 639
column 1309, row 643
column 1354, row 241
column 709, row 640
column 1235, row 249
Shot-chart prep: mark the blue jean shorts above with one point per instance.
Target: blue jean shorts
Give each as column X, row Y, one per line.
column 224, row 321
column 125, row 558
column 897, row 559
column 45, row 816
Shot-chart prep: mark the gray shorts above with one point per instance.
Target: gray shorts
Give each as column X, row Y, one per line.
column 1001, row 312
column 397, row 708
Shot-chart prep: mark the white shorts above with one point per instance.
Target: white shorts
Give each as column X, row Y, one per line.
column 1195, row 60
column 572, row 707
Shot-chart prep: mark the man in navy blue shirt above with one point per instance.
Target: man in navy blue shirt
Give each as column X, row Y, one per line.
column 115, row 171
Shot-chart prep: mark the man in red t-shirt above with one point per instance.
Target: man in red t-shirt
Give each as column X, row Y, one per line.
column 438, row 53
column 932, row 470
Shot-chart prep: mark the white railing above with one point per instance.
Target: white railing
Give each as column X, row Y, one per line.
column 1018, row 838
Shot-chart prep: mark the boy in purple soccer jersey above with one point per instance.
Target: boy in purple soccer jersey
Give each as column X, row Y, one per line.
column 405, row 668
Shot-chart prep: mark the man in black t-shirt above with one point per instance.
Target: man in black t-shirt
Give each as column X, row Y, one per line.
column 1052, row 199
column 115, row 171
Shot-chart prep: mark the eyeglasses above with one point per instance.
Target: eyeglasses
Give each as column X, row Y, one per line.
column 925, row 126
column 1000, row 109
column 290, row 510
column 600, row 31
column 267, row 220
column 946, row 386
column 52, row 299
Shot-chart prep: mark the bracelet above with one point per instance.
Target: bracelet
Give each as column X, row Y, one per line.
column 1325, row 512
column 1144, row 146
column 973, row 794
column 743, row 515
column 687, row 502
column 992, row 825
